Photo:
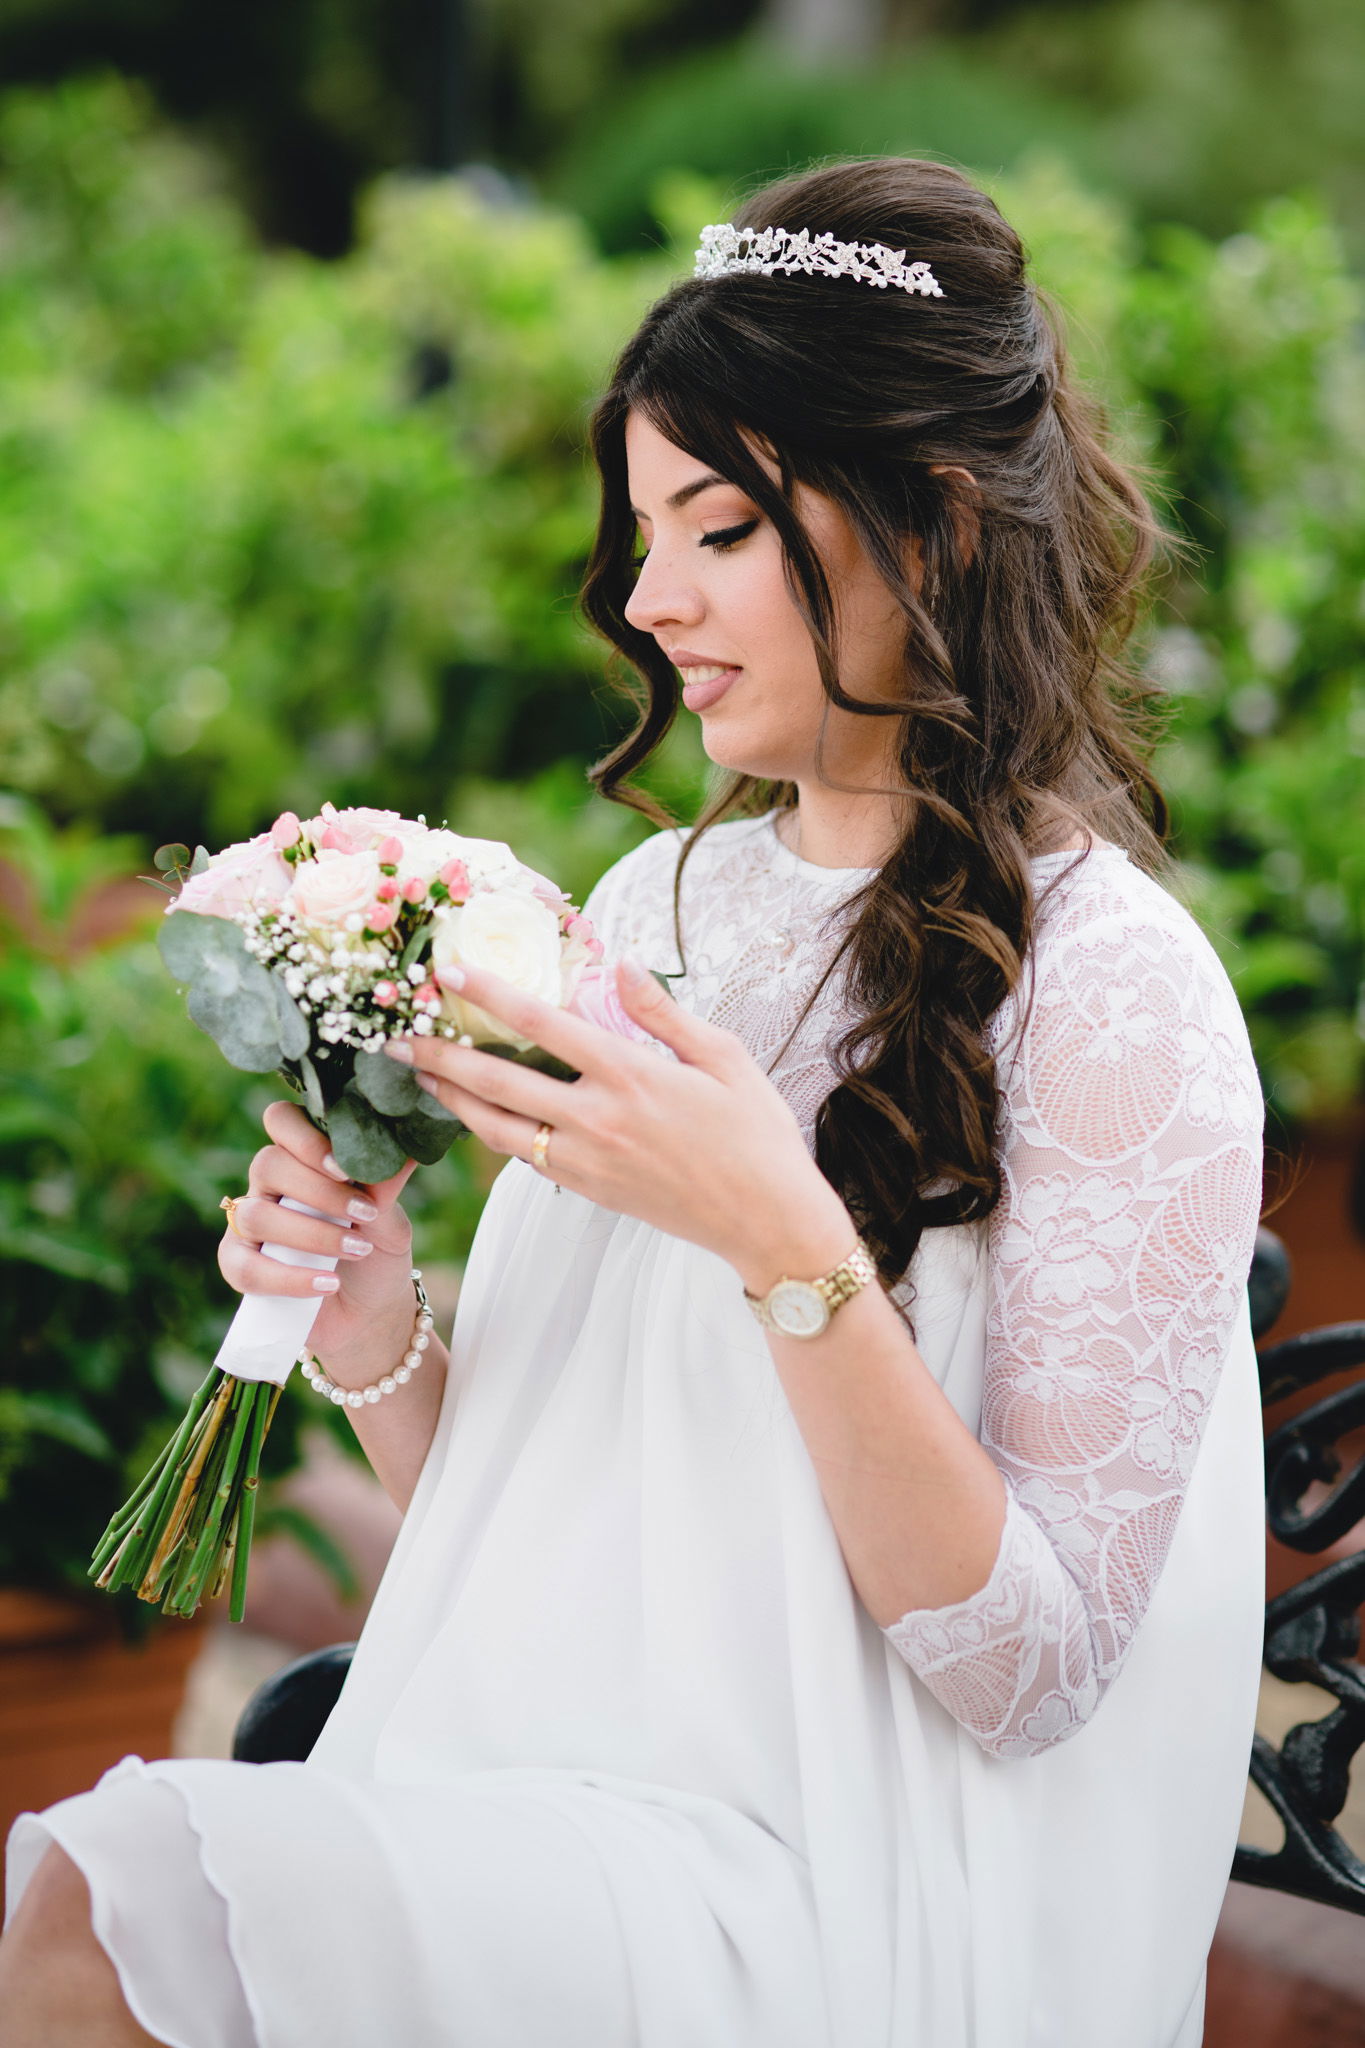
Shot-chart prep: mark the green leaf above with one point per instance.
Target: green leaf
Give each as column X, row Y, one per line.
column 239, row 1003
column 535, row 1056
column 295, row 1037
column 311, row 1089
column 363, row 1143
column 415, row 945
column 388, row 1087
column 59, row 1417
column 428, row 1133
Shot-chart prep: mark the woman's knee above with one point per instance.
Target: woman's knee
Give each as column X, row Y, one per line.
column 57, row 1984
column 55, row 1908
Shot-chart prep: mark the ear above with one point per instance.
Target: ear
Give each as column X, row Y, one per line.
column 964, row 495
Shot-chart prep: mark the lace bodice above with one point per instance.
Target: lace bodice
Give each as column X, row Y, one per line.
column 1117, row 1257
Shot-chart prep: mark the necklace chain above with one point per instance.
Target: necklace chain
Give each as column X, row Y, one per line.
column 781, row 936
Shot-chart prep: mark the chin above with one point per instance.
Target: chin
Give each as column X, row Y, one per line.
column 730, row 750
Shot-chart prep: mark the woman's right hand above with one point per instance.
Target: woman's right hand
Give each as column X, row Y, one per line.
column 367, row 1306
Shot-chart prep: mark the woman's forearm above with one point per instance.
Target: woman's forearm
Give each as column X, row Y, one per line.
column 395, row 1432
column 918, row 1505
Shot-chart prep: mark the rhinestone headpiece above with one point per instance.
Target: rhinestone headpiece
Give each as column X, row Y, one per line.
column 725, row 249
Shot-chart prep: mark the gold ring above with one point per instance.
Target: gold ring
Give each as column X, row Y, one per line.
column 229, row 1202
column 540, row 1148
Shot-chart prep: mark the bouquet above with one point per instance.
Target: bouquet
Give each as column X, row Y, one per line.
column 303, row 950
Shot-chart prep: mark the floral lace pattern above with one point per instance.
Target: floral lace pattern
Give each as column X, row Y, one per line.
column 1130, row 1146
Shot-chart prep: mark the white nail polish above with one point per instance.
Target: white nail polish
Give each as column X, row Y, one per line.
column 356, row 1247
column 326, row 1283
column 329, row 1165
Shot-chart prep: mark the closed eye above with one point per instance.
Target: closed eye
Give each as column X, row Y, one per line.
column 723, row 537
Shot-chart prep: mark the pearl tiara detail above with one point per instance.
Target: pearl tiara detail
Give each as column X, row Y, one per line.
column 725, row 249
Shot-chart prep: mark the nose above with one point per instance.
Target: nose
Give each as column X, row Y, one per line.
column 663, row 596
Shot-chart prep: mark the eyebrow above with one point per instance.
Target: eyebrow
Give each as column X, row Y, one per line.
column 686, row 494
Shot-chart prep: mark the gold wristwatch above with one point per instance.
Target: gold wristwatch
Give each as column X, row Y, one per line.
column 802, row 1308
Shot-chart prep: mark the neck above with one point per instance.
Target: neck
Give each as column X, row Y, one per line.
column 833, row 828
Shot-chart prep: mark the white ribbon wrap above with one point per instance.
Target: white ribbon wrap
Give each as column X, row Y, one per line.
column 268, row 1331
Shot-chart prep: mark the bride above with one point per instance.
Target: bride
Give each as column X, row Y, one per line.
column 827, row 1609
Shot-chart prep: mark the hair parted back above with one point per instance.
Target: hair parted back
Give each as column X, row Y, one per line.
column 1017, row 709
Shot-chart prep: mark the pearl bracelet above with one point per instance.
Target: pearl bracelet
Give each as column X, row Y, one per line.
column 357, row 1397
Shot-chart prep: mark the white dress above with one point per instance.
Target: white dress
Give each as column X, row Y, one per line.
column 622, row 1762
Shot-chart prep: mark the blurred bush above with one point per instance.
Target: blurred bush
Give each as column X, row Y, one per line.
column 273, row 530
column 266, row 523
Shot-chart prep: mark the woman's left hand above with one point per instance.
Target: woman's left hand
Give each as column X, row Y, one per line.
column 703, row 1147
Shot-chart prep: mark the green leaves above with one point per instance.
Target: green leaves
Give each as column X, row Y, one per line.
column 383, row 1118
column 245, row 1009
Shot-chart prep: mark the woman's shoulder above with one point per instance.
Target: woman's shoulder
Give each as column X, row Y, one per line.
column 1118, row 958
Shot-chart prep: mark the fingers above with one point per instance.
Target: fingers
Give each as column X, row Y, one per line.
column 261, row 1219
column 275, row 1172
column 249, row 1271
column 295, row 1135
column 572, row 1039
column 503, row 1084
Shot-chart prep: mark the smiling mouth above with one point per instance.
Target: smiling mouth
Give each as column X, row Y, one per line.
column 706, row 672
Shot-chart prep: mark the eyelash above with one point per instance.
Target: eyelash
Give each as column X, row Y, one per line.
column 722, row 539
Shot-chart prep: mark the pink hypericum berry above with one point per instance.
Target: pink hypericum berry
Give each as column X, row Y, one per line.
column 387, row 890
column 428, row 993
column 455, row 875
column 414, row 889
column 386, row 994
column 579, row 927
column 380, row 917
column 390, row 851
column 286, row 829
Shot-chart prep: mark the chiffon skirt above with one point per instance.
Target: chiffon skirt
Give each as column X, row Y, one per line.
column 282, row 1906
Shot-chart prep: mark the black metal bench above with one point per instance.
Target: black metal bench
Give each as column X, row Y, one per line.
column 1315, row 1495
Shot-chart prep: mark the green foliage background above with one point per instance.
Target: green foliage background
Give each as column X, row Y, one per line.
column 273, row 530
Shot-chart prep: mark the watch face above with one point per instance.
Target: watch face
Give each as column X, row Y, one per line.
column 798, row 1309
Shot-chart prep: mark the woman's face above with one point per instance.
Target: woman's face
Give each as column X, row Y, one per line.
column 713, row 591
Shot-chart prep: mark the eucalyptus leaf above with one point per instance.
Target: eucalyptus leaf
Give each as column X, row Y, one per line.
column 311, row 1088
column 415, row 945
column 200, row 861
column 388, row 1087
column 231, row 995
column 295, row 1037
column 428, row 1133
column 535, row 1056
column 363, row 1142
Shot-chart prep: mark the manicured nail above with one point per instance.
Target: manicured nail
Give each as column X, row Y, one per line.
column 399, row 1049
column 429, row 1082
column 632, row 970
column 325, row 1283
column 355, row 1247
column 329, row 1165
column 364, row 1212
column 450, row 977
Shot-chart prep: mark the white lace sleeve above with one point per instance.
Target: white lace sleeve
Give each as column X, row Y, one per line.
column 1118, row 1255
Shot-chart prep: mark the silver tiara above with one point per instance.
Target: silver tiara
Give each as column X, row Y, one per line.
column 725, row 249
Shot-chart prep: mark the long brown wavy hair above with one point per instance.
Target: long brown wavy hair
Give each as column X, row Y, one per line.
column 1018, row 718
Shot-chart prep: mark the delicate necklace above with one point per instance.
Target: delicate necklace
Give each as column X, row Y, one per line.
column 781, row 937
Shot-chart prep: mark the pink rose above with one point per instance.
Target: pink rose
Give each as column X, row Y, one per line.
column 596, row 999
column 335, row 886
column 246, row 876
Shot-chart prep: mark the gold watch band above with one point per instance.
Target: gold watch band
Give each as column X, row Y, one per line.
column 854, row 1272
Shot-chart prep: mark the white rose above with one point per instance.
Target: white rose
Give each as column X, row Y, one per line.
column 327, row 890
column 511, row 934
